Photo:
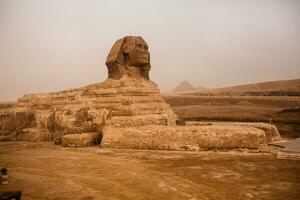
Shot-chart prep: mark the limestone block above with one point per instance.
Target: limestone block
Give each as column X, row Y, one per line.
column 34, row 135
column 17, row 119
column 271, row 130
column 81, row 140
column 196, row 123
column 10, row 137
column 184, row 137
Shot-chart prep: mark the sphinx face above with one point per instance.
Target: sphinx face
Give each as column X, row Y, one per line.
column 129, row 56
column 136, row 51
column 142, row 56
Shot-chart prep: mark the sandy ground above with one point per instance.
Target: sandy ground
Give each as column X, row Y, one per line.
column 46, row 171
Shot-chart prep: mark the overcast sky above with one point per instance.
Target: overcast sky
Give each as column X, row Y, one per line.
column 50, row 45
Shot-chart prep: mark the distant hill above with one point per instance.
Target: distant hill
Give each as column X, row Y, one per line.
column 282, row 85
column 183, row 86
column 270, row 88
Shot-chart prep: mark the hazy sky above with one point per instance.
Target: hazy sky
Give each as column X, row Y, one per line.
column 50, row 45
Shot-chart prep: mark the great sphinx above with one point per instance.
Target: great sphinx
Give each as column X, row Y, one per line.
column 127, row 98
column 124, row 111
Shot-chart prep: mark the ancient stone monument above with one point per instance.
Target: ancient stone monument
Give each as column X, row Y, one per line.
column 124, row 111
column 127, row 98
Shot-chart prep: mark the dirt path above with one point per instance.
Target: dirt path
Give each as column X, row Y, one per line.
column 46, row 171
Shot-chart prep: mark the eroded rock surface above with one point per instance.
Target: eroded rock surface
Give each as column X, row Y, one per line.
column 81, row 139
column 33, row 135
column 15, row 120
column 270, row 130
column 186, row 137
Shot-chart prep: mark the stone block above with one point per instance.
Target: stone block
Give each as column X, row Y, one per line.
column 81, row 139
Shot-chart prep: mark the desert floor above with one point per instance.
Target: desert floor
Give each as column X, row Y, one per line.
column 47, row 171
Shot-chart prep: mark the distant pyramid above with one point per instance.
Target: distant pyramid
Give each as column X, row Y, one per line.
column 183, row 86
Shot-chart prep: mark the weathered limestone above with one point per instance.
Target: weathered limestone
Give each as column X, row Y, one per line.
column 270, row 130
column 15, row 120
column 81, row 139
column 33, row 135
column 197, row 123
column 185, row 137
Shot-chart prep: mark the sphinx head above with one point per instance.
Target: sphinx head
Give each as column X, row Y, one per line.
column 129, row 56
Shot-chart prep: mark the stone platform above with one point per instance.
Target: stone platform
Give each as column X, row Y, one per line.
column 186, row 138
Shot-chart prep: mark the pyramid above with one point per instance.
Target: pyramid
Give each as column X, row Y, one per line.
column 183, row 86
